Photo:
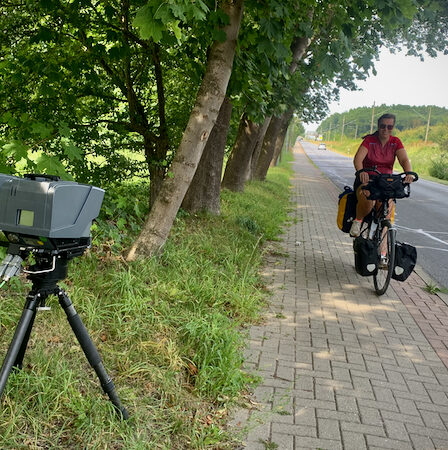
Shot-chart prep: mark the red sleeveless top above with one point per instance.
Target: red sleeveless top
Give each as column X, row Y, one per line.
column 381, row 157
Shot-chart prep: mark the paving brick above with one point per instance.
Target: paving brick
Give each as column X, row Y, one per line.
column 259, row 431
column 422, row 442
column 432, row 420
column 328, row 429
column 407, row 406
column 387, row 443
column 353, row 441
column 259, row 444
column 294, row 429
column 305, row 416
column 362, row 428
column 316, row 443
column 338, row 415
column 370, row 416
column 322, row 392
column 425, row 431
column 396, row 430
column 284, row 441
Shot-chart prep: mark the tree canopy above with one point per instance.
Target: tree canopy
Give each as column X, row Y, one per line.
column 103, row 90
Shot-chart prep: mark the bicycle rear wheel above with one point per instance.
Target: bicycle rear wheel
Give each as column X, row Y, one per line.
column 385, row 240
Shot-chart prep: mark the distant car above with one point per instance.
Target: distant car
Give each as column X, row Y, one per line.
column 322, row 146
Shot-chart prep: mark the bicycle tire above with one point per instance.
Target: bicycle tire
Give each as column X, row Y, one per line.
column 382, row 277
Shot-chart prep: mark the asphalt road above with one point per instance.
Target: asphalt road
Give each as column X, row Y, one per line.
column 421, row 219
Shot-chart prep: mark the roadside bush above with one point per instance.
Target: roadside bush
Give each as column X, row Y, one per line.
column 439, row 168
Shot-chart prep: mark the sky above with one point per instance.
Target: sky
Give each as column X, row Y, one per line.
column 401, row 80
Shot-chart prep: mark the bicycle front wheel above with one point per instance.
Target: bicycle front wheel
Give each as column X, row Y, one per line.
column 385, row 244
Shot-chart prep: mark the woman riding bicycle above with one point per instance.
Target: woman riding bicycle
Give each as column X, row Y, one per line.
column 378, row 149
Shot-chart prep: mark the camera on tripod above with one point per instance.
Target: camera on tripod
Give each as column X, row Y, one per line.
column 50, row 219
column 46, row 216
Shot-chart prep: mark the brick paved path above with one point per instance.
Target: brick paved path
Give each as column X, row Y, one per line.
column 343, row 368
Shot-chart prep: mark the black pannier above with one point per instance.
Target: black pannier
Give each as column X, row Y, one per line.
column 387, row 186
column 366, row 256
column 405, row 260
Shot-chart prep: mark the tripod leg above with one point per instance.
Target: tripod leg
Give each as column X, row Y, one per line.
column 20, row 339
column 91, row 352
column 19, row 358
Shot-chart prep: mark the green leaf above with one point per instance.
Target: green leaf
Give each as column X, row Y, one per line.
column 121, row 223
column 149, row 28
column 176, row 30
column 64, row 130
column 16, row 149
column 219, row 35
column 71, row 150
column 41, row 129
column 50, row 165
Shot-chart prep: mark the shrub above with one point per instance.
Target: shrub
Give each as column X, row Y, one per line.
column 439, row 168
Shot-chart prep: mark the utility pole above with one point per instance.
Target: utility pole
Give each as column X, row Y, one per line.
column 373, row 115
column 356, row 130
column 343, row 125
column 427, row 125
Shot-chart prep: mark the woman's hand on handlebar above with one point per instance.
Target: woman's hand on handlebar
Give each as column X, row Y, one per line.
column 364, row 177
column 409, row 178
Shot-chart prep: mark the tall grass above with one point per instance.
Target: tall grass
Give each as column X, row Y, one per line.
column 168, row 329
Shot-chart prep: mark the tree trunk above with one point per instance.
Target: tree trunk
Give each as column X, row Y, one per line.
column 298, row 48
column 155, row 154
column 267, row 148
column 257, row 150
column 235, row 174
column 205, row 188
column 203, row 116
column 286, row 120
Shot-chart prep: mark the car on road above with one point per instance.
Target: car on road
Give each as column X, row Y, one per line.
column 322, row 146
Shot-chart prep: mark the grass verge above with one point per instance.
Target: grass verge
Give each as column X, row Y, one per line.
column 168, row 329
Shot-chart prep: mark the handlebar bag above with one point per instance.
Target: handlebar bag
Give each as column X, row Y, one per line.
column 405, row 260
column 346, row 209
column 366, row 256
column 387, row 186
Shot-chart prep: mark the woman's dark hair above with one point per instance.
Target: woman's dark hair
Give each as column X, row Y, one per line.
column 384, row 116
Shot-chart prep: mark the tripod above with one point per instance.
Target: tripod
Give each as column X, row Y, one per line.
column 44, row 284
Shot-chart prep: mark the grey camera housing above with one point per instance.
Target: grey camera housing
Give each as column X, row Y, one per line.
column 46, row 207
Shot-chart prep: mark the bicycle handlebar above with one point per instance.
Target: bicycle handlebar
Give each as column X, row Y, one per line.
column 377, row 172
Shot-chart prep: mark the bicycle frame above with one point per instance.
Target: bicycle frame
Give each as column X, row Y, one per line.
column 377, row 227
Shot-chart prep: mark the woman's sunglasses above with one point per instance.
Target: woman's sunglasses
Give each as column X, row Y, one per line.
column 389, row 127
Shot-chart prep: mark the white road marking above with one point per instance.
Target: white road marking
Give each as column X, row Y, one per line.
column 428, row 234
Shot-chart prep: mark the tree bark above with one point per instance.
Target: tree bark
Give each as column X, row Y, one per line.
column 204, row 193
column 203, row 116
column 235, row 174
column 286, row 120
column 267, row 148
column 257, row 150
